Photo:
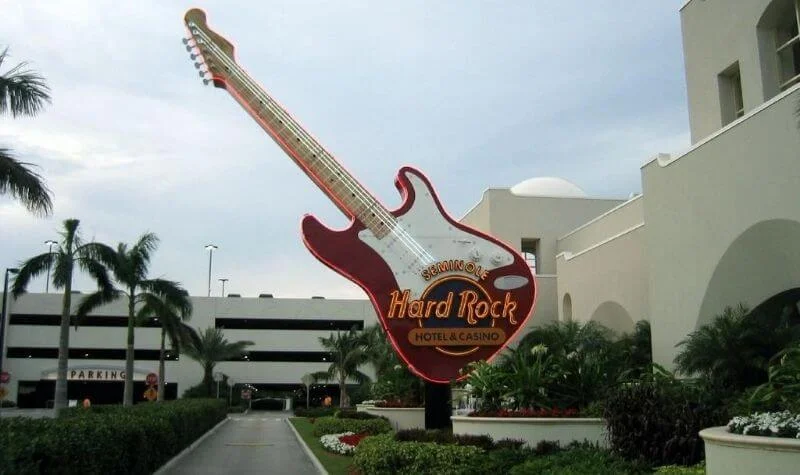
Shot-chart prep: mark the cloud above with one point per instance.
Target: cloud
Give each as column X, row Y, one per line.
column 475, row 96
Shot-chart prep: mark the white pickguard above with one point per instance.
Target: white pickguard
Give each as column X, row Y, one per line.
column 423, row 236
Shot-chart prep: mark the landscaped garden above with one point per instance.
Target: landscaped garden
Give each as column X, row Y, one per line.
column 740, row 373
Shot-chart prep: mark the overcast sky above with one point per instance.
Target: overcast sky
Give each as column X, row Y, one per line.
column 475, row 94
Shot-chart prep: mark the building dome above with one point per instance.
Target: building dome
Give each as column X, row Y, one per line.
column 548, row 186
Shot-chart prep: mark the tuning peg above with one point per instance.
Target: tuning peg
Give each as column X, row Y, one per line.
column 206, row 81
column 185, row 40
column 193, row 56
column 202, row 73
column 189, row 48
column 197, row 65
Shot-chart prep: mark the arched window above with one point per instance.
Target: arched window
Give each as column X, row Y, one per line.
column 566, row 308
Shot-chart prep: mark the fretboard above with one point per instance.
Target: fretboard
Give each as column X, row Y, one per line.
column 323, row 169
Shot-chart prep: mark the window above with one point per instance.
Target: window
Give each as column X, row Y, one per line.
column 256, row 323
column 529, row 248
column 730, row 94
column 787, row 41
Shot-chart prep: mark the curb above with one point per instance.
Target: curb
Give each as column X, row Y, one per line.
column 174, row 460
column 307, row 450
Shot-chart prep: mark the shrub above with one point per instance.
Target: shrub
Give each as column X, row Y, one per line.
column 579, row 460
column 335, row 425
column 658, row 420
column 543, row 412
column 383, row 455
column 498, row 462
column 314, row 411
column 352, row 414
column 105, row 439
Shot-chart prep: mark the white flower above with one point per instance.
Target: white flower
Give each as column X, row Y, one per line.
column 333, row 444
column 539, row 349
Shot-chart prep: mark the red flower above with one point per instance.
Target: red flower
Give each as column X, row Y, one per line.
column 353, row 440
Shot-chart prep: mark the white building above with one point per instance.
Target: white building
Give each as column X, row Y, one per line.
column 285, row 332
column 717, row 224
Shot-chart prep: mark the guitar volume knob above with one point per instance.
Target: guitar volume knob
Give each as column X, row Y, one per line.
column 475, row 254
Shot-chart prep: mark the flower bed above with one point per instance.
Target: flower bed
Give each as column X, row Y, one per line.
column 734, row 454
column 344, row 443
column 534, row 429
column 770, row 424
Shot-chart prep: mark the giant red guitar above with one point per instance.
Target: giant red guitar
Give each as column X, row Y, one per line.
column 445, row 293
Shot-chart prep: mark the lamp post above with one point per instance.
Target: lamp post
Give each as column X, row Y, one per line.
column 3, row 315
column 223, row 286
column 210, row 248
column 50, row 243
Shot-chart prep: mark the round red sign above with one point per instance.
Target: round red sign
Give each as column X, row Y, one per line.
column 151, row 379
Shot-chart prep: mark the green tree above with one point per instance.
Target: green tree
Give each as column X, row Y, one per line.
column 171, row 320
column 130, row 266
column 22, row 92
column 379, row 351
column 210, row 347
column 348, row 352
column 732, row 351
column 70, row 253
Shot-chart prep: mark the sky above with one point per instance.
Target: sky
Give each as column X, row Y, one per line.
column 477, row 95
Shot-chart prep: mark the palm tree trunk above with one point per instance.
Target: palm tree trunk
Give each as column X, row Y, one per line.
column 208, row 378
column 63, row 349
column 343, row 400
column 128, row 393
column 161, row 378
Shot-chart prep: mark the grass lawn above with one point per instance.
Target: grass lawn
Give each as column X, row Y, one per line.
column 333, row 463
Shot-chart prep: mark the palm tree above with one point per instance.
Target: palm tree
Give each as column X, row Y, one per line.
column 130, row 267
column 171, row 320
column 379, row 351
column 348, row 352
column 71, row 252
column 22, row 92
column 211, row 347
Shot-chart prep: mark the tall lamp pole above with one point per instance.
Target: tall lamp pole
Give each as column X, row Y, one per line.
column 3, row 318
column 50, row 243
column 223, row 286
column 210, row 248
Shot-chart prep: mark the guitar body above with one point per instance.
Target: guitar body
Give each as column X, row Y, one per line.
column 380, row 267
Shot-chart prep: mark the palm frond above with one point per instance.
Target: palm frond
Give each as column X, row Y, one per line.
column 141, row 252
column 95, row 300
column 22, row 183
column 22, row 91
column 171, row 293
column 29, row 269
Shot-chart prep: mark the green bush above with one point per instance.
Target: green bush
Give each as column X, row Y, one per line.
column 579, row 460
column 699, row 469
column 497, row 462
column 335, row 425
column 444, row 437
column 353, row 414
column 658, row 420
column 381, row 454
column 314, row 411
column 105, row 439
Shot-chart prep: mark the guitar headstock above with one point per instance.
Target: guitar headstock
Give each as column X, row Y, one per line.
column 212, row 54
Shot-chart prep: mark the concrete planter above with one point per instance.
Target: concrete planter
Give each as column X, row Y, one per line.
column 400, row 417
column 534, row 429
column 734, row 454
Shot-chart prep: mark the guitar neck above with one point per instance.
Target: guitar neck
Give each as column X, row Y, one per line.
column 330, row 176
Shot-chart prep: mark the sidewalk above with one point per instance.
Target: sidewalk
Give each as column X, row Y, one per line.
column 256, row 443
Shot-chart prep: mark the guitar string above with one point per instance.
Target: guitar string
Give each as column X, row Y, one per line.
column 370, row 204
column 308, row 141
column 311, row 144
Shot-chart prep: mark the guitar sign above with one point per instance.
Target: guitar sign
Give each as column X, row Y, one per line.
column 445, row 294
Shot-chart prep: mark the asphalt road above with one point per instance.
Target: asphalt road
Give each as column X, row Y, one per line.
column 259, row 442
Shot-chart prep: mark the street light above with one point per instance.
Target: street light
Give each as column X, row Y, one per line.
column 3, row 315
column 50, row 243
column 223, row 286
column 210, row 248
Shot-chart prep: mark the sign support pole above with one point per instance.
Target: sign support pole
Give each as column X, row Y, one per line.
column 438, row 408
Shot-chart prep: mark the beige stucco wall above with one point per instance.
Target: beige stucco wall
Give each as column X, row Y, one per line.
column 716, row 34
column 696, row 208
column 609, row 224
column 607, row 282
column 511, row 218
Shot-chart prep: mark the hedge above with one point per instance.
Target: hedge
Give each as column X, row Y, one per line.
column 314, row 411
column 335, row 425
column 105, row 439
column 381, row 454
